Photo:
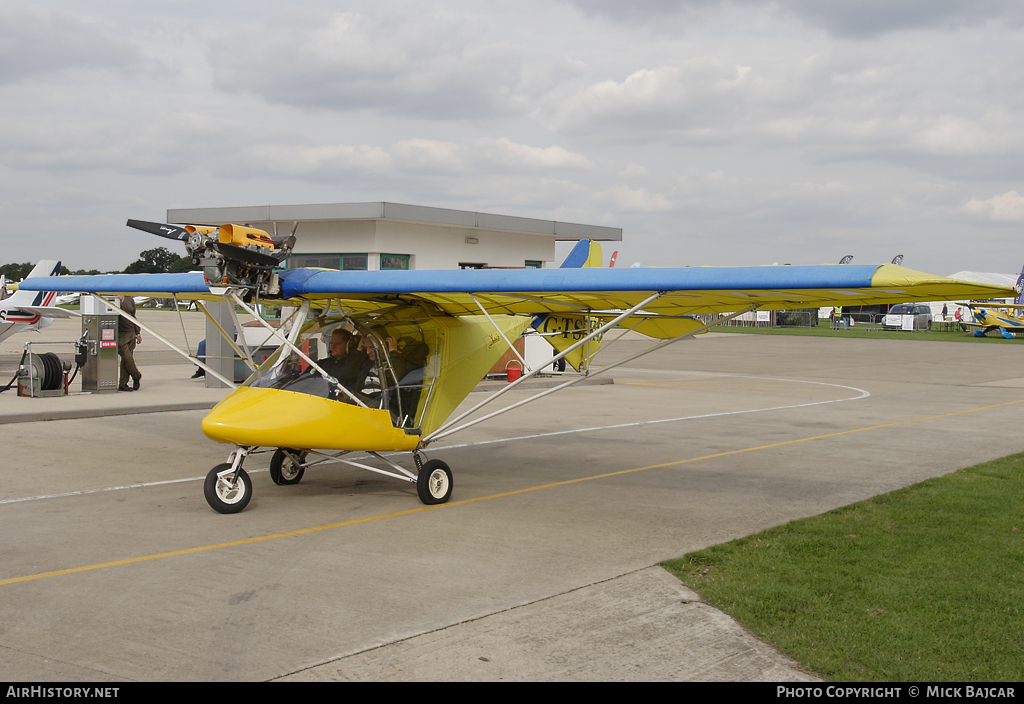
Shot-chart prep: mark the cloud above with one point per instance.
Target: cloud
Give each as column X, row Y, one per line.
column 1008, row 207
column 412, row 66
column 311, row 161
column 164, row 144
column 872, row 18
column 483, row 155
column 633, row 199
column 856, row 19
column 35, row 43
column 675, row 99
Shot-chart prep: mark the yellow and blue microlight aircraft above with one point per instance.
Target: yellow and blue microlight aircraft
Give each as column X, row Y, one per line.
column 417, row 342
column 994, row 315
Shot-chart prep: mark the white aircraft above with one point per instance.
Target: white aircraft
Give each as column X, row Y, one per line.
column 30, row 310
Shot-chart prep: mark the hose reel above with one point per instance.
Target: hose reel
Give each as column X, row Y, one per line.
column 42, row 375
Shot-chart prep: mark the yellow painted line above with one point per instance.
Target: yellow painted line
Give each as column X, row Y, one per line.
column 420, row 509
column 233, row 543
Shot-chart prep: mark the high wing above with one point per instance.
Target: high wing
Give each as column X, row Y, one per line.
column 688, row 291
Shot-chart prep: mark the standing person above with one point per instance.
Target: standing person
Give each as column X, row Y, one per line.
column 128, row 335
column 945, row 310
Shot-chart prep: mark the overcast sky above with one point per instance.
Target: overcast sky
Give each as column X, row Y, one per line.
column 713, row 132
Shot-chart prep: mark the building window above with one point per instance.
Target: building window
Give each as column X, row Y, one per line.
column 389, row 262
column 345, row 262
column 533, row 264
column 353, row 262
column 315, row 261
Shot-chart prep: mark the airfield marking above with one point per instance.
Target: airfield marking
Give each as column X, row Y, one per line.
column 420, row 509
column 617, row 426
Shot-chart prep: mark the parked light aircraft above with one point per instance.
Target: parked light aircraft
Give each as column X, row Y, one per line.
column 995, row 316
column 31, row 310
column 426, row 338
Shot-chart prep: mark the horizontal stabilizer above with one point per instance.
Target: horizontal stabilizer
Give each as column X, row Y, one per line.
column 50, row 311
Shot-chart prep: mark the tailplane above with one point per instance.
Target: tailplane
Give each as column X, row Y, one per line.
column 562, row 330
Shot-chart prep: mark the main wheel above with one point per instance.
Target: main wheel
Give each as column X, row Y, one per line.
column 286, row 466
column 434, row 483
column 222, row 495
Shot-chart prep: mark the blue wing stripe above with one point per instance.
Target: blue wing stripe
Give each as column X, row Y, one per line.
column 124, row 283
column 301, row 282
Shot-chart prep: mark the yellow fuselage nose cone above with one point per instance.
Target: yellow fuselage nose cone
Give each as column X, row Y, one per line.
column 258, row 417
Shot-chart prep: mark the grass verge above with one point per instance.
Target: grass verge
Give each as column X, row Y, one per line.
column 864, row 332
column 922, row 584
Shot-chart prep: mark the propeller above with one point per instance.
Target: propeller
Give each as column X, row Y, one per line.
column 171, row 232
column 230, row 255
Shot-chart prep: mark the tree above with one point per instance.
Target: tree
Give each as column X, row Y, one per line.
column 16, row 272
column 153, row 261
column 183, row 264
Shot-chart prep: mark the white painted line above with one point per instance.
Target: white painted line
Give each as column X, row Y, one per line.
column 862, row 394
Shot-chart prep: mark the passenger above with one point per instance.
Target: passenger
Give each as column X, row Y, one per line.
column 367, row 355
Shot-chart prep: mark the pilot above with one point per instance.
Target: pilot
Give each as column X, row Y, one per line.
column 340, row 364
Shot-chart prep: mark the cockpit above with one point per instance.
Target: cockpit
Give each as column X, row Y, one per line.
column 388, row 364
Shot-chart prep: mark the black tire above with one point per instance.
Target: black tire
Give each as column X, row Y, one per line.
column 283, row 468
column 434, row 483
column 224, row 498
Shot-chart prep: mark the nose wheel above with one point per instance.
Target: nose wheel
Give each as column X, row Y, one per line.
column 227, row 490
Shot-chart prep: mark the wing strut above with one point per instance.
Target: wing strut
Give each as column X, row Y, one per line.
column 443, row 430
column 230, row 339
column 448, row 430
column 167, row 342
column 503, row 335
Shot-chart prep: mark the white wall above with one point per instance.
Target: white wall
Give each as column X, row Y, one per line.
column 429, row 246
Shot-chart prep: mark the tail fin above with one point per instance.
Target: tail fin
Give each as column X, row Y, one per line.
column 36, row 298
column 586, row 253
column 562, row 330
column 1020, row 289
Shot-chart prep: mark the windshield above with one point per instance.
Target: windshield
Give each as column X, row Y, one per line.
column 378, row 364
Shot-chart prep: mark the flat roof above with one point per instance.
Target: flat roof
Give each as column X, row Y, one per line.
column 562, row 231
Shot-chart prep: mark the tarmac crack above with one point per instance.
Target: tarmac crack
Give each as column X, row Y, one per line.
column 474, row 619
column 45, row 658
